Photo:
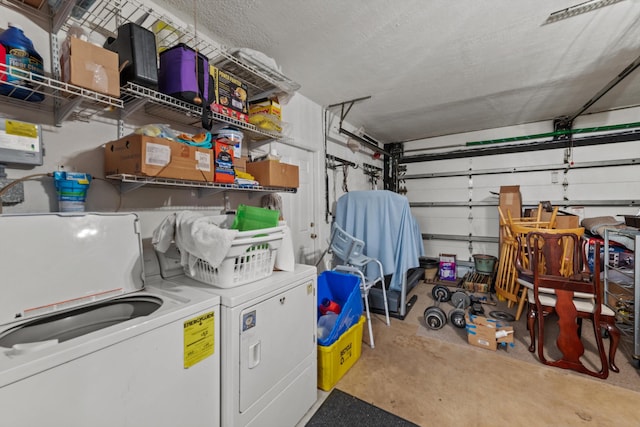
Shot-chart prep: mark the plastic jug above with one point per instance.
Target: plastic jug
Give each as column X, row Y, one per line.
column 17, row 51
column 326, row 324
column 72, row 190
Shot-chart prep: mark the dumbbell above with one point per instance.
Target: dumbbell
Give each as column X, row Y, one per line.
column 460, row 301
column 434, row 316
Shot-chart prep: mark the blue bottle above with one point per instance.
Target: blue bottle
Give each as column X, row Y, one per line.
column 17, row 51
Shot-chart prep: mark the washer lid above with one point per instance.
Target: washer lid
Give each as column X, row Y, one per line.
column 50, row 262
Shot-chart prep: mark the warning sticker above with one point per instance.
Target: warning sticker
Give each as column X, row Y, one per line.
column 14, row 127
column 199, row 338
column 19, row 136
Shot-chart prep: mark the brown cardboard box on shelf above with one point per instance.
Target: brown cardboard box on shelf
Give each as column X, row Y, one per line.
column 487, row 333
column 273, row 173
column 240, row 163
column 89, row 66
column 563, row 220
column 158, row 157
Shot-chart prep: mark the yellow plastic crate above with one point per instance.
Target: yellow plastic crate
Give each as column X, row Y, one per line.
column 335, row 360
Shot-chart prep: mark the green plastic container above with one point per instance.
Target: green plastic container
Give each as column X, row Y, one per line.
column 484, row 263
column 254, row 218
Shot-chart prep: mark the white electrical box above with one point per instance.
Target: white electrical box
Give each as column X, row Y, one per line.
column 20, row 142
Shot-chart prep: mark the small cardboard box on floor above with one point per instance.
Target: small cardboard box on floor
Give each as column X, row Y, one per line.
column 158, row 157
column 487, row 333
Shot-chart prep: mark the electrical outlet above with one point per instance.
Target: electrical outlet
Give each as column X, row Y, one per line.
column 14, row 195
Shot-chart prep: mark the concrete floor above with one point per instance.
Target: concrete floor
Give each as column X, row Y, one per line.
column 437, row 383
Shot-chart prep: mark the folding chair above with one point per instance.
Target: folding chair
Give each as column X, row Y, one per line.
column 348, row 250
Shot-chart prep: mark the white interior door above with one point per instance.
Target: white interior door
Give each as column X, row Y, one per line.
column 300, row 210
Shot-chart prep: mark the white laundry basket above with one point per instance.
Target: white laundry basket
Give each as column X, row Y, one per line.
column 251, row 257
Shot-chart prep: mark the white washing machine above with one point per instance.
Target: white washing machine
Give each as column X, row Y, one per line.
column 84, row 341
column 268, row 345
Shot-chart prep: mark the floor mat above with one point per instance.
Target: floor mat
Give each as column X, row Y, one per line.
column 343, row 410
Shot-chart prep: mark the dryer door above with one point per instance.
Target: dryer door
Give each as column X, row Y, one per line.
column 276, row 335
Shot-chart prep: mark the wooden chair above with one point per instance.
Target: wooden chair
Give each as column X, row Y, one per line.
column 563, row 284
column 507, row 286
column 522, row 263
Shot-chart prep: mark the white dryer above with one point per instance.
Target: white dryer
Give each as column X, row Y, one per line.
column 268, row 345
column 85, row 342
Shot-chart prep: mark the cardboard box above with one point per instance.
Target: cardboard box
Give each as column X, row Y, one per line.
column 273, row 173
column 266, row 107
column 231, row 95
column 89, row 66
column 563, row 220
column 488, row 333
column 158, row 157
column 266, row 115
column 240, row 164
column 510, row 200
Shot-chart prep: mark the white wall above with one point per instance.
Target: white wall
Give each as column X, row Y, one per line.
column 590, row 184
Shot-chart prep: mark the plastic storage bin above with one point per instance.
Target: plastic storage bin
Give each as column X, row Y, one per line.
column 254, row 218
column 251, row 257
column 344, row 289
column 335, row 360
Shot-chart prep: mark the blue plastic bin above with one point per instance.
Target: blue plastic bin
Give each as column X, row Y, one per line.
column 344, row 289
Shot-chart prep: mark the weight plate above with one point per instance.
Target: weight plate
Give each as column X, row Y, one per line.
column 460, row 299
column 456, row 316
column 441, row 293
column 434, row 318
column 502, row 315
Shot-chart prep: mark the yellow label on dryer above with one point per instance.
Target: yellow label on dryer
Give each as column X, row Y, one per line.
column 13, row 127
column 199, row 338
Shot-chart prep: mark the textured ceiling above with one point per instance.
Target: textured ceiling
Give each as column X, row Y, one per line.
column 436, row 67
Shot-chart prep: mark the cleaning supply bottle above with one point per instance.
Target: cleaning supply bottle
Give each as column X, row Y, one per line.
column 329, row 306
column 17, row 51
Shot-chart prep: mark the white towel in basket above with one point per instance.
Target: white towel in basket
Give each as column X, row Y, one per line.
column 200, row 236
